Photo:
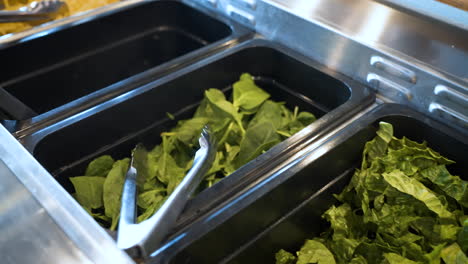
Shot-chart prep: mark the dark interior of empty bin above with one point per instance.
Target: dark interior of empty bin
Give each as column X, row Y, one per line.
column 116, row 131
column 272, row 222
column 50, row 71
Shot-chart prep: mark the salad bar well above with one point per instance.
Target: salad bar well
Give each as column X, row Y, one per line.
column 337, row 130
column 151, row 114
column 259, row 228
column 105, row 51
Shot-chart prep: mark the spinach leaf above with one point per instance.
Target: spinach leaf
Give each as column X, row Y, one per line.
column 314, row 251
column 246, row 125
column 100, row 166
column 188, row 131
column 247, row 95
column 258, row 138
column 269, row 112
column 112, row 190
column 224, row 107
column 88, row 191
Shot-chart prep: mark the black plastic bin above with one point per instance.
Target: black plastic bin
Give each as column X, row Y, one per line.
column 55, row 69
column 289, row 211
column 116, row 126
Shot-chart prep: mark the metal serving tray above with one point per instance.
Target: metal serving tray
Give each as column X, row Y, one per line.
column 114, row 127
column 103, row 57
column 286, row 208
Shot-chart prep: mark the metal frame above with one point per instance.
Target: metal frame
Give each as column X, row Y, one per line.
column 410, row 60
column 402, row 56
column 86, row 241
column 28, row 125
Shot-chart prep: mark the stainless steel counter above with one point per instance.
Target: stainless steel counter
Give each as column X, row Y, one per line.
column 39, row 221
column 408, row 59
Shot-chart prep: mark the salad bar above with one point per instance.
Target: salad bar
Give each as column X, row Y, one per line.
column 335, row 143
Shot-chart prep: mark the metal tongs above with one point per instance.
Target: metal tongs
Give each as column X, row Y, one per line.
column 35, row 11
column 140, row 240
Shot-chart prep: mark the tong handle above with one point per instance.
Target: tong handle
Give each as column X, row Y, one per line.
column 20, row 16
column 139, row 240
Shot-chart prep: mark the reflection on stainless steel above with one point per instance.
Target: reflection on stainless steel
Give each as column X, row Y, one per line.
column 451, row 94
column 25, row 225
column 393, row 69
column 346, row 35
column 407, row 59
column 35, row 11
column 386, row 87
column 437, row 108
column 435, row 9
column 389, row 30
column 38, row 217
column 14, row 38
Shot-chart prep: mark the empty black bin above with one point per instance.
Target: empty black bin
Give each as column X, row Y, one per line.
column 55, row 69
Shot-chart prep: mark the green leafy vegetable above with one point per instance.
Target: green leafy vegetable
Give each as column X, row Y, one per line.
column 88, row 191
column 284, row 257
column 258, row 138
column 314, row 251
column 401, row 206
column 453, row 254
column 392, row 258
column 112, row 190
column 100, row 166
column 245, row 127
column 247, row 95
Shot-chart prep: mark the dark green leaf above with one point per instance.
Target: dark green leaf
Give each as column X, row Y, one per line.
column 268, row 112
column 453, row 186
column 462, row 237
column 284, row 257
column 416, row 189
column 258, row 138
column 401, row 206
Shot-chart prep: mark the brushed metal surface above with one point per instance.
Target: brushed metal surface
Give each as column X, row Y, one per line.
column 39, row 221
column 25, row 226
column 435, row 9
column 341, row 34
column 419, row 52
